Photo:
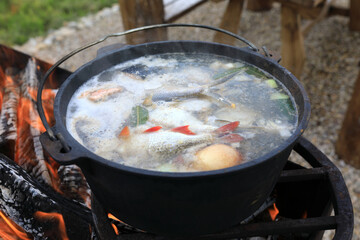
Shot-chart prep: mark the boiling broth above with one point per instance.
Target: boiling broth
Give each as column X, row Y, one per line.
column 181, row 112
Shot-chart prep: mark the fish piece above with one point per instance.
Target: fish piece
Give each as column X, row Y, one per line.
column 133, row 76
column 141, row 71
column 282, row 128
column 173, row 143
column 188, row 76
column 171, row 117
column 220, row 98
column 194, row 105
column 168, row 93
column 231, row 138
column 246, row 116
column 85, row 131
column 108, row 75
column 101, row 94
column 159, row 145
column 216, row 65
column 170, row 142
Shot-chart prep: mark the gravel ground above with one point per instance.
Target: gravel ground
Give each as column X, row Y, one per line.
column 330, row 70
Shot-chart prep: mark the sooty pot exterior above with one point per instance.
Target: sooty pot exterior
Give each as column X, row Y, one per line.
column 177, row 204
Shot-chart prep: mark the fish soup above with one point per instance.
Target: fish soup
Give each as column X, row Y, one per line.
column 181, row 112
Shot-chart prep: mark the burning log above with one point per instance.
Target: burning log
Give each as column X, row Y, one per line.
column 28, row 149
column 40, row 210
column 8, row 116
column 35, row 207
column 20, row 125
column 73, row 184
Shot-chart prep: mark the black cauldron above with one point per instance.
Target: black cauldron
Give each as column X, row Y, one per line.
column 175, row 204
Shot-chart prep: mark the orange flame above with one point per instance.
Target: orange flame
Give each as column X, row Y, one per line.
column 8, row 80
column 54, row 217
column 10, row 230
column 113, row 225
column 115, row 229
column 304, row 215
column 273, row 211
column 29, row 117
column 48, row 97
column 55, row 180
column 9, row 83
column 113, row 217
column 26, row 107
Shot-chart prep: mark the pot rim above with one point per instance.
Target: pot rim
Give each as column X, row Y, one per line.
column 87, row 155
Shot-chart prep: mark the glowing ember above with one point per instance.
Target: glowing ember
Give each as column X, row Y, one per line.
column 273, row 211
column 10, row 230
column 304, row 215
column 60, row 232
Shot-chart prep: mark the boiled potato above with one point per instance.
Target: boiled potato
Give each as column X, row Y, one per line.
column 217, row 156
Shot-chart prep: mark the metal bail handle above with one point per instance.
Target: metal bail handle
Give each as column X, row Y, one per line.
column 58, row 136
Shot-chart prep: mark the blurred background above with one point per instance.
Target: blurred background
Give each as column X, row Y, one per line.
column 21, row 20
column 318, row 40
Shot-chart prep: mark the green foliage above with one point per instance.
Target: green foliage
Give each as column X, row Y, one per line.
column 22, row 19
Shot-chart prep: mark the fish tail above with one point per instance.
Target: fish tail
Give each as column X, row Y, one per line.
column 183, row 129
column 227, row 128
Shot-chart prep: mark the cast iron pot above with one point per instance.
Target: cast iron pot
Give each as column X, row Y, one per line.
column 175, row 204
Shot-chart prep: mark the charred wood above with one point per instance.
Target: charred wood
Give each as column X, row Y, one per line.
column 12, row 58
column 28, row 150
column 21, row 197
column 73, row 184
column 8, row 116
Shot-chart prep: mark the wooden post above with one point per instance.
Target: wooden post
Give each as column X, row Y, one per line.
column 348, row 143
column 259, row 5
column 230, row 21
column 137, row 13
column 354, row 23
column 292, row 42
